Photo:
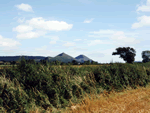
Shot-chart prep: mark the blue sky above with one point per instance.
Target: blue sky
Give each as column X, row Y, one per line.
column 94, row 28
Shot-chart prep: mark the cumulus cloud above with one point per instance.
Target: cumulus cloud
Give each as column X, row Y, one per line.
column 23, row 28
column 31, row 34
column 6, row 42
column 41, row 23
column 120, row 36
column 69, row 44
column 143, row 21
column 42, row 26
column 24, row 7
column 116, row 36
column 144, row 8
column 88, row 20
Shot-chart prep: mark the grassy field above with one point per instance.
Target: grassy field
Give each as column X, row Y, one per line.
column 89, row 89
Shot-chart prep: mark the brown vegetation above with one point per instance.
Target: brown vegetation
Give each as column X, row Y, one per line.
column 127, row 101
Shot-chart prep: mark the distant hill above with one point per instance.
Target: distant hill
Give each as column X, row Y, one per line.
column 63, row 57
column 48, row 58
column 82, row 58
column 16, row 58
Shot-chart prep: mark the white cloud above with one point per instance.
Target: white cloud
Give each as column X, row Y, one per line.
column 120, row 37
column 69, row 44
column 29, row 35
column 6, row 42
column 40, row 23
column 88, row 21
column 52, row 42
column 104, row 32
column 23, row 28
column 26, row 30
column 77, row 39
column 96, row 42
column 144, row 8
column 56, row 38
column 143, row 21
column 21, row 20
column 116, row 36
column 24, row 7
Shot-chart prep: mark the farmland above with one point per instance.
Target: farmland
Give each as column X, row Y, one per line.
column 38, row 88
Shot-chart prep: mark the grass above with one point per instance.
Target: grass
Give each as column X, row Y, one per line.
column 133, row 100
column 129, row 100
column 30, row 88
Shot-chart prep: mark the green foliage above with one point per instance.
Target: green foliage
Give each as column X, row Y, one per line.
column 74, row 62
column 145, row 56
column 126, row 53
column 55, row 86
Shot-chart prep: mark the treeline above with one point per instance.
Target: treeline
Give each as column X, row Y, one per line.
column 45, row 62
column 128, row 54
column 74, row 62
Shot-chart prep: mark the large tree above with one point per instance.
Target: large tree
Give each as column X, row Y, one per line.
column 126, row 53
column 146, row 56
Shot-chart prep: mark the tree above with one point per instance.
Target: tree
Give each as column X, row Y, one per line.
column 62, row 63
column 30, row 61
column 126, row 53
column 74, row 62
column 13, row 62
column 146, row 56
column 93, row 62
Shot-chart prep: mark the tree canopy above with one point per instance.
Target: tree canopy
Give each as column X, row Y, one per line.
column 126, row 53
column 146, row 56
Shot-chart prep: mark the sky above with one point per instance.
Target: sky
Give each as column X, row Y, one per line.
column 94, row 28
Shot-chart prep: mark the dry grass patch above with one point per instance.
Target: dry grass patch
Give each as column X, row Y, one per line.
column 133, row 101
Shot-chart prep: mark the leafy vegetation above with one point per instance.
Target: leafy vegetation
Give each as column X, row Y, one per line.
column 146, row 58
column 126, row 53
column 30, row 85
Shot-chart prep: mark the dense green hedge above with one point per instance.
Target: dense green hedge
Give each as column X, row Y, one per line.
column 42, row 86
